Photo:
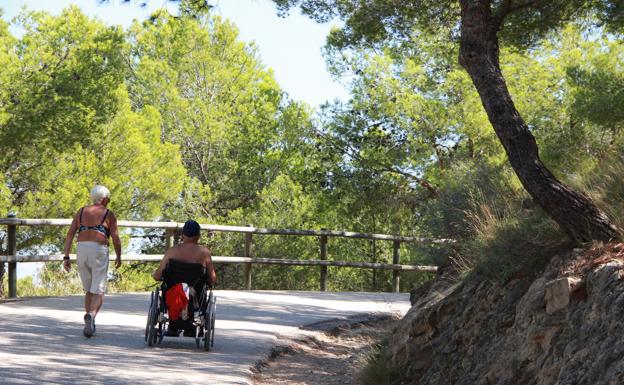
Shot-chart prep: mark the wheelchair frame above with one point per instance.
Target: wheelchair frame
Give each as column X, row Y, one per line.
column 203, row 320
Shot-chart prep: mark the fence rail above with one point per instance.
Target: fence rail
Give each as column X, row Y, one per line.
column 225, row 259
column 248, row 260
column 232, row 229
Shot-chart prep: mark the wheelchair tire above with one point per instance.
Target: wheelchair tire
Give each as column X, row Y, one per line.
column 209, row 323
column 152, row 336
column 212, row 329
column 149, row 315
column 208, row 333
column 213, row 312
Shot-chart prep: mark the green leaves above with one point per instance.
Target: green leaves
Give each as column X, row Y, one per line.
column 64, row 73
column 218, row 104
column 66, row 123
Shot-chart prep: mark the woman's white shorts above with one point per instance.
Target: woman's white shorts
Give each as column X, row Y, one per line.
column 92, row 260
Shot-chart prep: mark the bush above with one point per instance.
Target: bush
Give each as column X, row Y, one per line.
column 499, row 232
column 378, row 369
column 132, row 276
column 604, row 186
column 512, row 244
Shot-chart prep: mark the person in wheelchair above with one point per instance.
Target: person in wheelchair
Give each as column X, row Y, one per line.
column 185, row 270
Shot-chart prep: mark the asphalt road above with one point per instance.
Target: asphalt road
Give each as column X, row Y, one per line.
column 41, row 339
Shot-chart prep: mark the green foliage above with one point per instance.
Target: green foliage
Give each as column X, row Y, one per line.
column 130, row 160
column 283, row 205
column 522, row 24
column 63, row 72
column 180, row 119
column 604, row 185
column 375, row 21
column 500, row 232
column 218, row 104
column 598, row 95
column 69, row 125
column 512, row 243
column 132, row 277
column 52, row 280
column 419, row 113
column 5, row 195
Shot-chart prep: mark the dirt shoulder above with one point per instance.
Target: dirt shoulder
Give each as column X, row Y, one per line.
column 333, row 356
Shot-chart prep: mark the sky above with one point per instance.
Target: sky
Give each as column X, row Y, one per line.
column 290, row 46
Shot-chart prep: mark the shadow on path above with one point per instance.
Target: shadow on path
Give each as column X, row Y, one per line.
column 41, row 339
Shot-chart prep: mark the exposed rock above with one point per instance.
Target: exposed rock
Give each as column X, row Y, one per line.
column 558, row 293
column 564, row 327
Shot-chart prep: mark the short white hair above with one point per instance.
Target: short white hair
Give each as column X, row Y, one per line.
column 98, row 193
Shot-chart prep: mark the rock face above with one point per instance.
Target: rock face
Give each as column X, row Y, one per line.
column 564, row 327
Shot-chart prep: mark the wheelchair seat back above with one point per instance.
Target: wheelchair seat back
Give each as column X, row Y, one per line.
column 193, row 274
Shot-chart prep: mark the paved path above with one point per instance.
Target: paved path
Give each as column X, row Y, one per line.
column 41, row 339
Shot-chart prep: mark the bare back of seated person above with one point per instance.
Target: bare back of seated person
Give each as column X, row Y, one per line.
column 188, row 251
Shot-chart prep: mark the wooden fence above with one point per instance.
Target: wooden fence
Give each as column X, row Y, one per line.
column 247, row 259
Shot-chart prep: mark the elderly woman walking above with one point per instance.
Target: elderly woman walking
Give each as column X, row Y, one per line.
column 95, row 224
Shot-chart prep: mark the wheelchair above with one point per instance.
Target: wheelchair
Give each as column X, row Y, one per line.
column 202, row 305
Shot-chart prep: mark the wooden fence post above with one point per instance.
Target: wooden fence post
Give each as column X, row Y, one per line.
column 2, row 274
column 11, row 250
column 169, row 238
column 247, row 268
column 323, row 245
column 396, row 279
column 374, row 261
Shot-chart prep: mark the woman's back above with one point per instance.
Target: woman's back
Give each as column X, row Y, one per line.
column 94, row 221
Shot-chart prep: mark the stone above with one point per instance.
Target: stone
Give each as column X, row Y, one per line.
column 561, row 327
column 557, row 293
column 543, row 337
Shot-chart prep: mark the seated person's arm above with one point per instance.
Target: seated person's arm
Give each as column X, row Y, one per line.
column 212, row 275
column 163, row 264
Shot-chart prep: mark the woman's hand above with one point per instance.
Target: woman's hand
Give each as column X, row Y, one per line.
column 67, row 264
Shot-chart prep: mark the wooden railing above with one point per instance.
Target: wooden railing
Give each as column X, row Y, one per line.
column 248, row 260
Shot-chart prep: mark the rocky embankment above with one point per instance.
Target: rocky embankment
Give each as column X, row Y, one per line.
column 564, row 327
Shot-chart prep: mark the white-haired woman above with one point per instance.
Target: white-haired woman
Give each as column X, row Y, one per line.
column 95, row 224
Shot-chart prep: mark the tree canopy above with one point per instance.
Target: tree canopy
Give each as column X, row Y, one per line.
column 480, row 27
column 179, row 118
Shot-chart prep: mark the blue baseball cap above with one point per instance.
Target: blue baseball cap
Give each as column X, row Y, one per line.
column 191, row 228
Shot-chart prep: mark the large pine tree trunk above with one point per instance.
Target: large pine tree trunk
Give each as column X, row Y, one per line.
column 479, row 55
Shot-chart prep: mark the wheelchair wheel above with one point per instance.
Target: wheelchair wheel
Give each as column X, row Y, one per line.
column 208, row 333
column 209, row 323
column 213, row 311
column 212, row 328
column 152, row 333
column 149, row 315
column 197, row 339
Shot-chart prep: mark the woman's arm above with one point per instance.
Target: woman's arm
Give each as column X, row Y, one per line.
column 69, row 239
column 114, row 232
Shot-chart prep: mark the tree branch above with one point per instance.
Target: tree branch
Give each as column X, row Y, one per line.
column 352, row 152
